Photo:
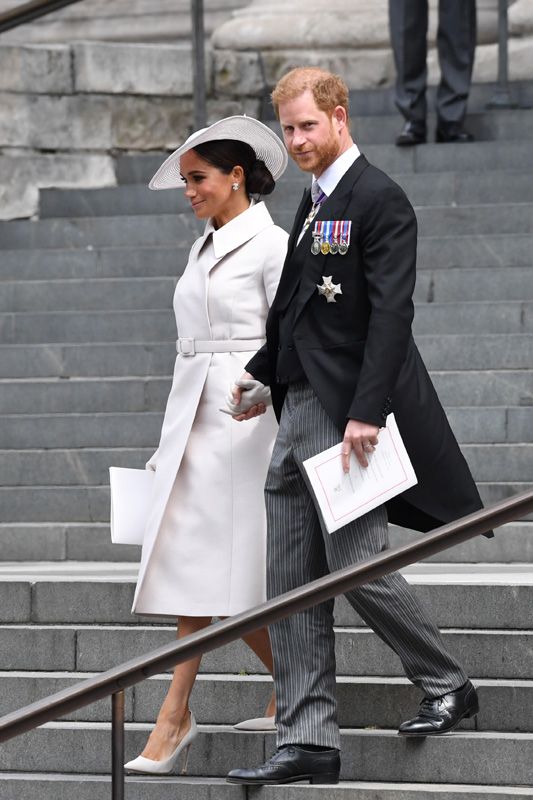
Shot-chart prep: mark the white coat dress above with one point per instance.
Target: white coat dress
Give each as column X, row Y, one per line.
column 204, row 548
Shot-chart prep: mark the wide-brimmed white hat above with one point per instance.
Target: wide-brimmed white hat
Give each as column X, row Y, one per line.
column 267, row 147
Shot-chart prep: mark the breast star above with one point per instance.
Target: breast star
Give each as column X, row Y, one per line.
column 329, row 289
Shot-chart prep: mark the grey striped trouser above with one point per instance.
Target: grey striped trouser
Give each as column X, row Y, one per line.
column 299, row 551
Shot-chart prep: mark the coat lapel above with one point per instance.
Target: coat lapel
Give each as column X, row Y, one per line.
column 332, row 208
column 299, row 220
column 239, row 230
column 290, row 276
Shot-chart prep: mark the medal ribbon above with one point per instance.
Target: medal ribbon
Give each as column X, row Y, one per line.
column 346, row 230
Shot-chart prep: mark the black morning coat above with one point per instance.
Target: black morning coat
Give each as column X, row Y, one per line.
column 358, row 353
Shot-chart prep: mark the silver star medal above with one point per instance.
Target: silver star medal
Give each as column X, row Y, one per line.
column 329, row 289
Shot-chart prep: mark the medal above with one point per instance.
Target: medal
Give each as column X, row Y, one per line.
column 325, row 246
column 346, row 228
column 329, row 289
column 334, row 246
column 317, row 236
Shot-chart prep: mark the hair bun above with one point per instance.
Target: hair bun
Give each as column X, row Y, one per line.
column 260, row 180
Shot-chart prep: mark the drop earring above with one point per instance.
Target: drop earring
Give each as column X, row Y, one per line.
column 235, row 186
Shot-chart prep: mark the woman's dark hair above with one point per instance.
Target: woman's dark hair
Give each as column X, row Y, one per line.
column 224, row 154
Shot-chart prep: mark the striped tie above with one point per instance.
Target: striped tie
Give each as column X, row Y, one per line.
column 318, row 197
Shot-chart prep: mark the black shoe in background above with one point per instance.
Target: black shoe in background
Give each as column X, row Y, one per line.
column 442, row 714
column 412, row 133
column 452, row 132
column 289, row 764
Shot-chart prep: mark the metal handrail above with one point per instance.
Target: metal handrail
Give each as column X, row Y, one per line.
column 20, row 15
column 114, row 681
column 502, row 95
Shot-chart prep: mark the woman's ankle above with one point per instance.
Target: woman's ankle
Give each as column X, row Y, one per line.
column 177, row 719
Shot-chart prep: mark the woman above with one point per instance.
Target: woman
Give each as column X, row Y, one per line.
column 204, row 547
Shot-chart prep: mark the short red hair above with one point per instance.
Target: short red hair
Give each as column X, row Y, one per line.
column 328, row 90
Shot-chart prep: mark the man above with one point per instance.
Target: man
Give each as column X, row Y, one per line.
column 338, row 361
column 456, row 43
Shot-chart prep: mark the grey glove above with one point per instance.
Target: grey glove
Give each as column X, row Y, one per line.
column 254, row 392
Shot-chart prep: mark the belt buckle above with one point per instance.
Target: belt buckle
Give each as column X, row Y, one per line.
column 186, row 347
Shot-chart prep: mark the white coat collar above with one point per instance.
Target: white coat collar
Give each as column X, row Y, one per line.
column 239, row 230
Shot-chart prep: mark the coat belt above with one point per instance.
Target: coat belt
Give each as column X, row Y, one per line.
column 189, row 347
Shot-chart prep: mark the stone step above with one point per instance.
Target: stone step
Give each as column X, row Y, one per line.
column 474, row 317
column 487, row 388
column 121, row 359
column 484, row 125
column 82, row 430
column 89, row 504
column 84, row 541
column 439, row 188
column 440, row 220
column 67, row 593
column 86, row 232
column 431, row 158
column 500, row 251
column 485, row 653
column 29, row 431
column 103, row 294
column 110, row 262
column 511, row 543
column 165, row 229
column 51, row 786
column 382, row 101
column 228, row 699
column 89, row 466
column 484, row 317
column 489, row 758
column 86, row 395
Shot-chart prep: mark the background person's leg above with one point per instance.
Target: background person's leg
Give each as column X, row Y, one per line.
column 456, row 43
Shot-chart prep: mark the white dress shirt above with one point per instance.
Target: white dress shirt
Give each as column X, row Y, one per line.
column 331, row 176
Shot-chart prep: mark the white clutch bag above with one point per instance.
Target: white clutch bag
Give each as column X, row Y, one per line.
column 131, row 500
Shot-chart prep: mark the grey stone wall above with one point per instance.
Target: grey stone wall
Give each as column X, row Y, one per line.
column 66, row 109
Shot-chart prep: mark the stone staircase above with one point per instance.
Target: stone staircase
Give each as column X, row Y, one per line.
column 86, row 354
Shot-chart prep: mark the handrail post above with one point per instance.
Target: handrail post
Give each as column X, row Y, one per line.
column 117, row 745
column 502, row 96
column 198, row 63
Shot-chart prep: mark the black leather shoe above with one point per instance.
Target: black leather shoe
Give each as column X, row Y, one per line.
column 452, row 132
column 289, row 764
column 442, row 714
column 412, row 133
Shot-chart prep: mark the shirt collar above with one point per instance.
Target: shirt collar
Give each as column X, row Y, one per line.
column 238, row 230
column 331, row 176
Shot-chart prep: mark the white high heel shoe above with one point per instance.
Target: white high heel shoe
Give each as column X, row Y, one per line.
column 257, row 724
column 150, row 767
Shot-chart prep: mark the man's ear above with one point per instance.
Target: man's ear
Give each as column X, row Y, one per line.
column 339, row 117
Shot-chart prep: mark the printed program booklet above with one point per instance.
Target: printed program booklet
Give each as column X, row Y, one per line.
column 343, row 497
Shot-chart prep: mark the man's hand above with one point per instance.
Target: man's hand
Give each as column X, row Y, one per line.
column 254, row 411
column 360, row 437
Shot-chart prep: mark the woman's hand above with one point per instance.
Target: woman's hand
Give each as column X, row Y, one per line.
column 360, row 437
column 237, row 391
